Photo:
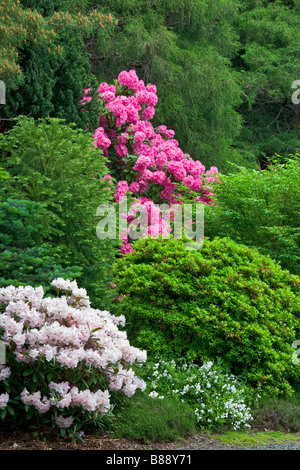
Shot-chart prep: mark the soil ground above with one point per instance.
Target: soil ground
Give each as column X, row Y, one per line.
column 46, row 439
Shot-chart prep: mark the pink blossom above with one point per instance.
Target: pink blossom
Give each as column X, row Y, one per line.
column 158, row 177
column 4, row 372
column 142, row 163
column 145, row 97
column 123, row 138
column 126, row 248
column 148, row 113
column 64, row 422
column 134, row 187
column 101, row 139
column 122, row 188
column 159, row 158
column 177, row 169
column 70, row 332
column 121, row 150
column 104, row 87
column 129, row 79
column 4, row 398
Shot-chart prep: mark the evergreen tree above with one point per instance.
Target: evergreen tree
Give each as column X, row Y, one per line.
column 45, row 64
column 269, row 63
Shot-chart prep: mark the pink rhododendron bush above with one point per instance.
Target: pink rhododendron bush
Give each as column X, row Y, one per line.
column 65, row 361
column 145, row 163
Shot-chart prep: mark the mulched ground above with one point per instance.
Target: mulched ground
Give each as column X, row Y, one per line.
column 21, row 440
column 48, row 440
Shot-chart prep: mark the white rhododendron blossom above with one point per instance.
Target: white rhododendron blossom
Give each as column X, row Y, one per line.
column 4, row 372
column 64, row 422
column 67, row 331
column 4, row 397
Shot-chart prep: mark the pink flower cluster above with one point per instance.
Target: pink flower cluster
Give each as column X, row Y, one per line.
column 86, row 98
column 160, row 167
column 68, row 331
column 62, row 395
column 149, row 222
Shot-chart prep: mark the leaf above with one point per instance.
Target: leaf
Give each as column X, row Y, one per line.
column 10, row 410
column 96, row 329
column 30, row 412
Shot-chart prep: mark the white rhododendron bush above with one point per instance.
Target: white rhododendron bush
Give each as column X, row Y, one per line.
column 65, row 361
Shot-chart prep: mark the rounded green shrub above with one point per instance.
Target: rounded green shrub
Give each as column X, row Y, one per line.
column 224, row 302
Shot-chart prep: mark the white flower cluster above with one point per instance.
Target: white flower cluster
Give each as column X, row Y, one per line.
column 216, row 397
column 68, row 331
column 4, row 372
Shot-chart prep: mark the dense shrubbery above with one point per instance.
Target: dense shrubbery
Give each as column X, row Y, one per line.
column 51, row 163
column 24, row 258
column 225, row 301
column 63, row 358
column 261, row 209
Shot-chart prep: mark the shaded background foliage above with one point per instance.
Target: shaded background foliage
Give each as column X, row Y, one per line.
column 223, row 69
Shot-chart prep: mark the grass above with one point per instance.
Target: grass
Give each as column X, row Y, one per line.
column 253, row 439
column 153, row 420
column 278, row 414
column 146, row 419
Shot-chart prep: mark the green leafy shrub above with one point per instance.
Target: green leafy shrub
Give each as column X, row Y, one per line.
column 223, row 301
column 24, row 259
column 261, row 209
column 54, row 164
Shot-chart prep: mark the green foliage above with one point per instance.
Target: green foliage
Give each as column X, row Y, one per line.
column 224, row 72
column 185, row 49
column 224, row 301
column 54, row 164
column 146, row 419
column 3, row 174
column 268, row 63
column 51, row 62
column 24, row 259
column 261, row 209
column 282, row 414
